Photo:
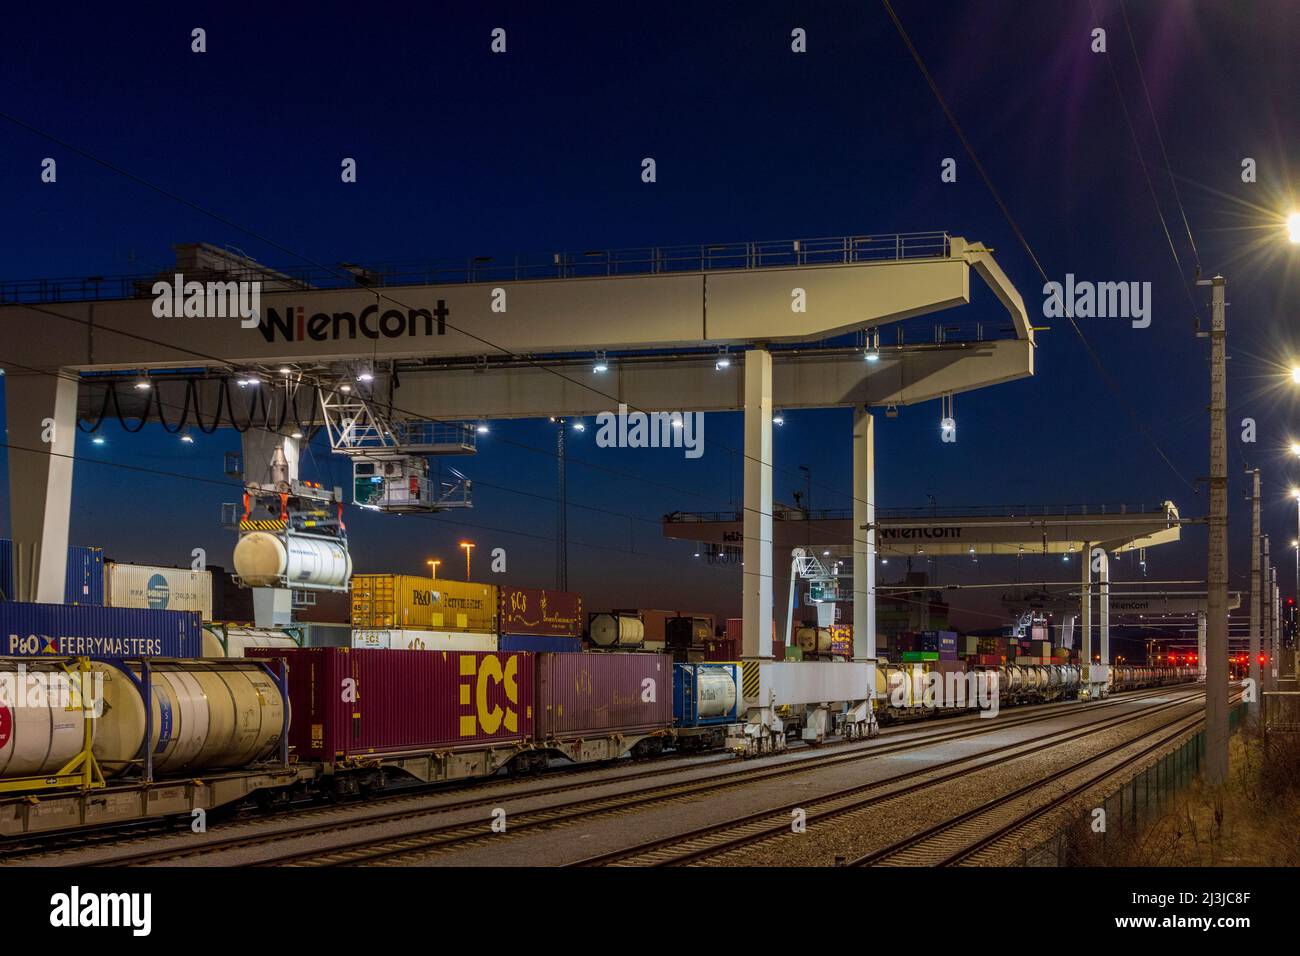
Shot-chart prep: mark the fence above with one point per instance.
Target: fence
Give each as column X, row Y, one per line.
column 1281, row 711
column 1138, row 800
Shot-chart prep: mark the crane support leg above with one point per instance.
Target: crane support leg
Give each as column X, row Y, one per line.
column 42, row 420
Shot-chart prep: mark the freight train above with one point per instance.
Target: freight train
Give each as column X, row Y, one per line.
column 342, row 721
column 914, row 691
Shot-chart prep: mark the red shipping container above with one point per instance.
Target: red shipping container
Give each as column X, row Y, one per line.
column 585, row 694
column 736, row 632
column 352, row 702
column 722, row 649
column 539, row 612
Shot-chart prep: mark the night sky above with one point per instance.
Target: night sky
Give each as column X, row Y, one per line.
column 461, row 153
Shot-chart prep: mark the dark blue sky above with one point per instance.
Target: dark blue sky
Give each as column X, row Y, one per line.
column 462, row 153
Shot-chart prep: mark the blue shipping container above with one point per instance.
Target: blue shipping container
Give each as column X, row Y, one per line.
column 85, row 584
column 687, row 694
column 539, row 643
column 53, row 630
column 85, row 575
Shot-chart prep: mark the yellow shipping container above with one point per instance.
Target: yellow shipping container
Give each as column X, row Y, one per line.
column 406, row 601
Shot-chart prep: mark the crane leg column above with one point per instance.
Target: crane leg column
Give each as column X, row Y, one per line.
column 763, row 728
column 864, row 558
column 42, row 421
column 1103, row 602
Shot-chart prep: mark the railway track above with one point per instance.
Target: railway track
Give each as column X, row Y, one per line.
column 405, row 807
column 394, row 850
column 979, row 828
column 709, row 841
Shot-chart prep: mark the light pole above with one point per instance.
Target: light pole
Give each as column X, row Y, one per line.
column 433, row 567
column 1295, row 492
column 1216, row 579
column 468, row 546
column 561, row 510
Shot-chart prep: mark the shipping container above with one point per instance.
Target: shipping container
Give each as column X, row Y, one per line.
column 405, row 703
column 84, row 582
column 587, row 694
column 656, row 621
column 418, row 640
column 406, row 601
column 620, row 630
column 85, row 577
column 706, row 694
column 841, row 640
column 915, row 657
column 159, row 589
column 722, row 649
column 735, row 630
column 327, row 607
column 539, row 643
column 687, row 632
column 42, row 630
column 539, row 611
column 325, row 635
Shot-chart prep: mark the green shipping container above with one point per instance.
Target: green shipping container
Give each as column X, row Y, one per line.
column 916, row 657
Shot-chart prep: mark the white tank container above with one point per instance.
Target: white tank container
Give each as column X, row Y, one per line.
column 813, row 640
column 410, row 640
column 35, row 740
column 261, row 560
column 206, row 715
column 239, row 639
column 616, row 630
column 164, row 589
column 717, row 692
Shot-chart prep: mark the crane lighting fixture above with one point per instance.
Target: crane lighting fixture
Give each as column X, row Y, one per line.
column 872, row 351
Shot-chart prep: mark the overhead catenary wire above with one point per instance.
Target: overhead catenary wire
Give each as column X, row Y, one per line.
column 1196, row 257
column 1146, row 175
column 1015, row 228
